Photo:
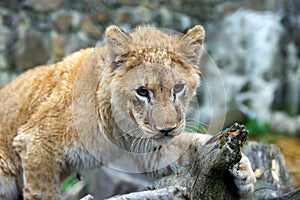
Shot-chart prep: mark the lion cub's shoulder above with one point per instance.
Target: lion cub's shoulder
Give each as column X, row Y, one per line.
column 38, row 90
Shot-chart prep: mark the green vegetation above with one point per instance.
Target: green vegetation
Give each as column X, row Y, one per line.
column 68, row 183
column 197, row 128
column 257, row 129
column 261, row 132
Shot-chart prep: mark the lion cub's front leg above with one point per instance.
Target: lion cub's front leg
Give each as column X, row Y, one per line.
column 40, row 169
column 244, row 177
column 184, row 148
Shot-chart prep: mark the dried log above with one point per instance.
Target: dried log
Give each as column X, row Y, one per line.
column 209, row 178
column 273, row 178
column 167, row 193
column 269, row 161
column 88, row 197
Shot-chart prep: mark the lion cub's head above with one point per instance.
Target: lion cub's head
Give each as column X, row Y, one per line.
column 153, row 77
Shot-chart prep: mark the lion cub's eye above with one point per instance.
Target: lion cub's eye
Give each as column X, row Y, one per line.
column 142, row 91
column 178, row 87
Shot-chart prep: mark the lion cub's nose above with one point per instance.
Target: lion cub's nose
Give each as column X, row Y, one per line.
column 166, row 131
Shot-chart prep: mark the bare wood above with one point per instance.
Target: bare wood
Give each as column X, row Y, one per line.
column 209, row 178
column 88, row 197
column 273, row 178
column 167, row 193
column 206, row 178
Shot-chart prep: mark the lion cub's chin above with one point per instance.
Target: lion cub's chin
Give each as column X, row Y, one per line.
column 165, row 139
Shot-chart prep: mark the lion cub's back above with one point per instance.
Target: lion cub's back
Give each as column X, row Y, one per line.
column 25, row 96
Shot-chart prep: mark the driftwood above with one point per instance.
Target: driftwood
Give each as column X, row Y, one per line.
column 209, row 177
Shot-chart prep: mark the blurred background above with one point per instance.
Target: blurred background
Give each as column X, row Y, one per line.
column 254, row 47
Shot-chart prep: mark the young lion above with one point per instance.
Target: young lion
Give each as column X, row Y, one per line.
column 98, row 104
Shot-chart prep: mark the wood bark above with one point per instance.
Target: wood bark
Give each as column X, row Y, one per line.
column 273, row 178
column 209, row 176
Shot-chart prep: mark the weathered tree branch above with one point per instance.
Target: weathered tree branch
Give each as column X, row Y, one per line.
column 206, row 179
column 166, row 193
column 209, row 176
column 273, row 178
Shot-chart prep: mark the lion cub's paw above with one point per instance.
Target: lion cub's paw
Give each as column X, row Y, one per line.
column 244, row 178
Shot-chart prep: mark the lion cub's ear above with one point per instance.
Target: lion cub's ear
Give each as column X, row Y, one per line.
column 117, row 41
column 190, row 45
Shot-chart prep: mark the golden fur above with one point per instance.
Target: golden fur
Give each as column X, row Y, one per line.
column 59, row 119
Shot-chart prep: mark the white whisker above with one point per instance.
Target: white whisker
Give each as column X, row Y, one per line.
column 193, row 125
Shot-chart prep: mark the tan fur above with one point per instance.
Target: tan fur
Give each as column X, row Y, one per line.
column 58, row 119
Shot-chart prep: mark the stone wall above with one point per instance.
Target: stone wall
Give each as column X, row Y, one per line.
column 35, row 32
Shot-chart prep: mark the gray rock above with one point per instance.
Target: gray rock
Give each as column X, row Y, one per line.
column 66, row 21
column 30, row 50
column 88, row 26
column 246, row 51
column 43, row 5
column 5, row 38
column 3, row 56
column 101, row 16
column 269, row 160
column 106, row 182
column 77, row 41
column 58, row 46
column 3, row 62
column 284, row 124
column 63, row 22
column 6, row 77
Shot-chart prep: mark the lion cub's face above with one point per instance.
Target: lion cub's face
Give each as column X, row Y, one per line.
column 154, row 76
column 155, row 98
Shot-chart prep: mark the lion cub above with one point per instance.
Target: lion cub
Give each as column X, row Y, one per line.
column 125, row 99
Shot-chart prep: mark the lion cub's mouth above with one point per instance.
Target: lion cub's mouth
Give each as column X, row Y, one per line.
column 161, row 137
column 156, row 134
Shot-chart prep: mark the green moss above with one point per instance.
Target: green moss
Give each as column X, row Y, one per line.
column 222, row 142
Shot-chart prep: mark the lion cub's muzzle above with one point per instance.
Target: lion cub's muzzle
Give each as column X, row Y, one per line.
column 166, row 121
column 165, row 131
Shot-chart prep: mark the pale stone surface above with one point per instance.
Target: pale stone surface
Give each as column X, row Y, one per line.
column 44, row 5
column 6, row 77
column 58, row 46
column 88, row 26
column 30, row 43
column 106, row 182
